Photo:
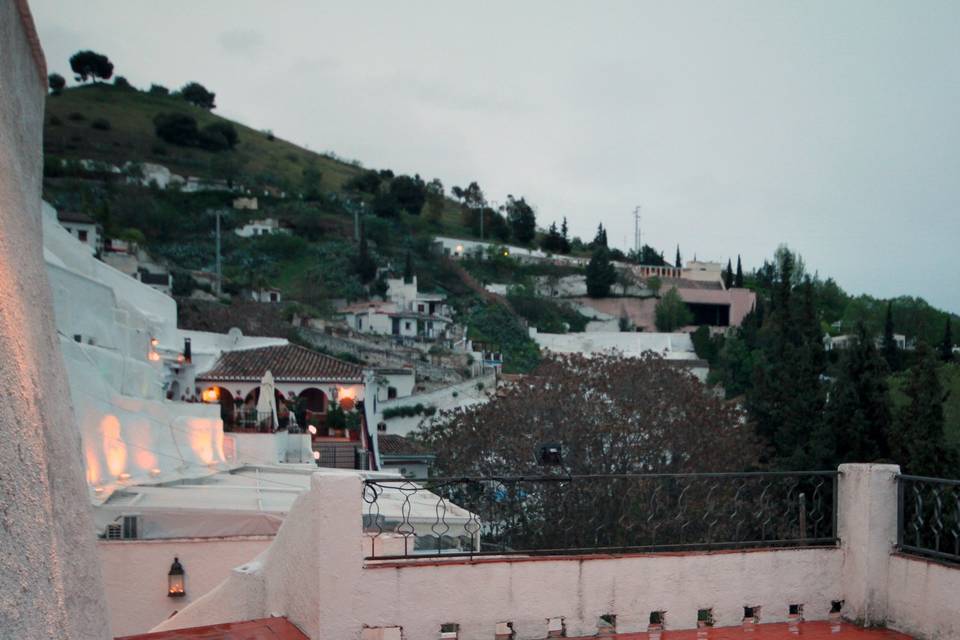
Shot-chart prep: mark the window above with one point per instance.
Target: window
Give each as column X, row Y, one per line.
column 406, row 325
column 419, row 308
column 391, row 393
column 82, row 234
column 273, row 297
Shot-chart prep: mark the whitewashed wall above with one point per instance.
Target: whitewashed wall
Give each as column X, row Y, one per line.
column 50, row 582
column 135, row 575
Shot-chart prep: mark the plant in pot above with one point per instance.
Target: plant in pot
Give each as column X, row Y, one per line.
column 336, row 421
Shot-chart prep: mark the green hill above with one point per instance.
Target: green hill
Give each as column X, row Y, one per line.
column 130, row 113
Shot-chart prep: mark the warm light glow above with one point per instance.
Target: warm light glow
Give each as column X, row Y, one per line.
column 154, row 472
column 98, row 489
column 153, row 356
column 154, row 342
column 211, row 394
column 316, row 455
column 180, row 358
column 124, row 476
column 506, row 253
column 145, row 459
column 93, row 466
column 459, row 248
column 312, row 429
column 114, row 448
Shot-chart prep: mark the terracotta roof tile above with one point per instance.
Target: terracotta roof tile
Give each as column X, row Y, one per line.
column 395, row 445
column 287, row 363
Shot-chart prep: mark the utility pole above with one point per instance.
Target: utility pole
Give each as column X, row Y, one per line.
column 636, row 231
column 219, row 274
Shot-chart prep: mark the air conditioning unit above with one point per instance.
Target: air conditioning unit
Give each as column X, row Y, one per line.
column 128, row 528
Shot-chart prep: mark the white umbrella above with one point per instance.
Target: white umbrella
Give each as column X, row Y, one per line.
column 267, row 402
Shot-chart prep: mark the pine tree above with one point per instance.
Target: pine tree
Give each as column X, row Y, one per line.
column 946, row 347
column 891, row 353
column 917, row 437
column 728, row 275
column 565, row 247
column 678, row 263
column 599, row 240
column 365, row 266
column 738, row 278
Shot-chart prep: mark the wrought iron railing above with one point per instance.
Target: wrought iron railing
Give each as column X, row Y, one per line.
column 928, row 522
column 598, row 513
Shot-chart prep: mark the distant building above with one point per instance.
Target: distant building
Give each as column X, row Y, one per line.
column 245, row 203
column 266, row 294
column 265, row 227
column 407, row 313
column 411, row 459
column 832, row 343
column 162, row 282
column 83, row 228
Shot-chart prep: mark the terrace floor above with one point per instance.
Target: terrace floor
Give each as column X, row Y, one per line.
column 262, row 629
column 778, row 631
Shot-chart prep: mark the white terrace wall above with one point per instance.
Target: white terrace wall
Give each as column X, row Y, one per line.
column 135, row 575
column 315, row 574
column 50, row 583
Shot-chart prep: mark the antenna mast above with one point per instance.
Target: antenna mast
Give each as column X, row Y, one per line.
column 636, row 230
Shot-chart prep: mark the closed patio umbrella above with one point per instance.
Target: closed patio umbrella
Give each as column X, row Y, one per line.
column 267, row 402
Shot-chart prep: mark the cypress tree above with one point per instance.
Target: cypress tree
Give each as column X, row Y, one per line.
column 601, row 274
column 857, row 417
column 917, row 438
column 946, row 347
column 677, row 263
column 728, row 275
column 408, row 269
column 738, row 279
column 891, row 353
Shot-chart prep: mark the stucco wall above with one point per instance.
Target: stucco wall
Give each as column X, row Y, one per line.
column 135, row 575
column 925, row 598
column 50, row 583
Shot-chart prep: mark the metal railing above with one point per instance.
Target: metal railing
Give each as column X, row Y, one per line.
column 928, row 517
column 598, row 513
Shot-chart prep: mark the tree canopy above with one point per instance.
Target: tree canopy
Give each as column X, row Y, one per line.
column 671, row 312
column 90, row 65
column 601, row 274
column 195, row 93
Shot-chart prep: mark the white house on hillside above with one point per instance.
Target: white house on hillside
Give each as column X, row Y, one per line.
column 83, row 228
column 407, row 312
column 264, row 227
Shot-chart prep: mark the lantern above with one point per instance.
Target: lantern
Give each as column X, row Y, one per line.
column 312, row 429
column 175, row 587
column 211, row 394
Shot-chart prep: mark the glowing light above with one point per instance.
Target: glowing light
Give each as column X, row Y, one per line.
column 154, row 342
column 312, row 429
column 145, row 459
column 153, row 356
column 506, row 253
column 211, row 394
column 98, row 489
column 114, row 448
column 124, row 476
column 180, row 358
column 316, row 455
column 154, row 472
column 93, row 466
column 459, row 248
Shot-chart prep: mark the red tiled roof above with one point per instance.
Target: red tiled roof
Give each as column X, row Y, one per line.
column 287, row 363
column 75, row 216
column 262, row 629
column 779, row 631
column 394, row 445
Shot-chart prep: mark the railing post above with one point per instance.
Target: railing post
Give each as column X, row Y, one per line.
column 868, row 533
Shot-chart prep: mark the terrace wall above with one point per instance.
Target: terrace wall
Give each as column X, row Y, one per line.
column 318, row 551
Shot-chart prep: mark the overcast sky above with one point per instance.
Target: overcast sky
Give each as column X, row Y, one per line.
column 833, row 127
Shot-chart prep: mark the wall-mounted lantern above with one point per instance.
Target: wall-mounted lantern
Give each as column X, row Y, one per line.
column 175, row 588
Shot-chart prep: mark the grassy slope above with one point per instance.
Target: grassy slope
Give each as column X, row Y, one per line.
column 132, row 138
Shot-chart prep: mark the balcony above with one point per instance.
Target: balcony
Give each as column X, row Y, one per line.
column 669, row 556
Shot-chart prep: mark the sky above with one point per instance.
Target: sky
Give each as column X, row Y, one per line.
column 736, row 126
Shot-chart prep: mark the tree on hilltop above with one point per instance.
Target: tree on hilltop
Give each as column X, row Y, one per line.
column 738, row 278
column 57, row 83
column 946, row 347
column 91, row 65
column 522, row 219
column 196, row 94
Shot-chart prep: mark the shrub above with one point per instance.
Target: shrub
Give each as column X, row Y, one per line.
column 158, row 90
column 76, row 116
column 196, row 93
column 218, row 136
column 408, row 411
column 100, row 124
column 121, row 83
column 176, row 128
column 158, row 150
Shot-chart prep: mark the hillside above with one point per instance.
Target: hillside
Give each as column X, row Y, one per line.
column 131, row 137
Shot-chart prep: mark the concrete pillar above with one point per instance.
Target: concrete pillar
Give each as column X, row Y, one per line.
column 868, row 532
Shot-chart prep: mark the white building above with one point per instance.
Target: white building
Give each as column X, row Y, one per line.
column 406, row 313
column 264, row 227
column 83, row 228
column 266, row 294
